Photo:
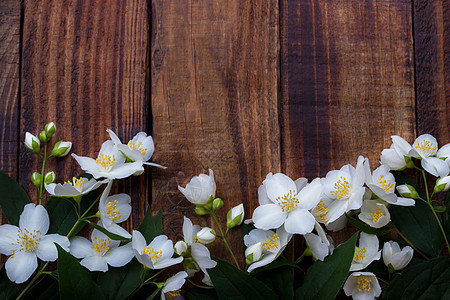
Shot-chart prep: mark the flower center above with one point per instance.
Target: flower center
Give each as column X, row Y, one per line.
column 106, row 161
column 376, row 214
column 77, row 183
column 172, row 294
column 101, row 245
column 195, row 239
column 359, row 254
column 288, row 202
column 426, row 146
column 385, row 184
column 154, row 255
column 137, row 146
column 363, row 284
column 271, row 242
column 27, row 241
column 341, row 188
column 112, row 211
column 321, row 211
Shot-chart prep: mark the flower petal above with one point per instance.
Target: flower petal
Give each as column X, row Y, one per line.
column 279, row 185
column 21, row 266
column 269, row 216
column 95, row 263
column 299, row 221
column 265, row 260
column 8, row 236
column 125, row 170
column 138, row 241
column 435, row 166
column 262, row 195
column 80, row 247
column 202, row 256
column 34, row 217
column 175, row 282
column 120, row 256
column 309, row 196
column 405, row 201
column 113, row 137
column 47, row 250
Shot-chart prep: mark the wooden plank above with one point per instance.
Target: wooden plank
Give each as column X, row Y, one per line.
column 432, row 63
column 9, row 85
column 84, row 67
column 347, row 82
column 214, row 103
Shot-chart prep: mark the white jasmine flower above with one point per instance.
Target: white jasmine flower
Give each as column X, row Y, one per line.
column 200, row 189
column 272, row 243
column 362, row 286
column 157, row 255
column 345, row 188
column 374, row 213
column 206, row 235
column 366, row 253
column 425, row 148
column 321, row 244
column 139, row 148
column 29, row 241
column 110, row 163
column 284, row 204
column 173, row 285
column 101, row 252
column 382, row 183
column 398, row 258
column 73, row 188
column 235, row 216
column 394, row 158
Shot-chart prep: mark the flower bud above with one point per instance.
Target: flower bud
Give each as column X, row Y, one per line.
column 442, row 184
column 32, row 143
column 253, row 253
column 43, row 137
column 409, row 162
column 206, row 235
column 201, row 211
column 49, row 177
column 181, row 248
column 50, row 129
column 217, row 204
column 200, row 189
column 407, row 191
column 235, row 216
column 190, row 266
column 36, row 179
column 392, row 255
column 61, row 149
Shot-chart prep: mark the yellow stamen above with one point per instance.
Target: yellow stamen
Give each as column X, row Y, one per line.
column 385, row 184
column 271, row 242
column 173, row 294
column 288, row 202
column 342, row 188
column 27, row 241
column 112, row 211
column 137, row 146
column 322, row 211
column 359, row 253
column 77, row 183
column 376, row 214
column 426, row 146
column 106, row 161
column 363, row 284
column 101, row 245
column 195, row 239
column 154, row 255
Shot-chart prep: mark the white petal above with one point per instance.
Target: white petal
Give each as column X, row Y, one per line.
column 400, row 145
column 120, row 256
column 138, row 241
column 89, row 165
column 154, row 165
column 368, row 174
column 47, row 250
column 116, row 229
column 300, row 183
column 279, row 185
column 8, row 236
column 405, row 201
column 95, row 263
column 269, row 216
column 299, row 221
column 34, row 217
column 125, row 170
column 319, row 249
column 391, row 159
column 262, row 196
column 202, row 256
column 164, row 263
column 21, row 266
column 257, row 236
column 336, row 209
column 309, row 196
column 175, row 282
column 81, row 247
column 358, row 178
column 267, row 259
column 435, row 166
column 114, row 137
column 388, row 197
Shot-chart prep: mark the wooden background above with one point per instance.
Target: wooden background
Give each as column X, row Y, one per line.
column 242, row 87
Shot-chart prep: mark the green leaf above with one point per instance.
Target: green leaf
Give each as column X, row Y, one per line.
column 46, row 289
column 281, row 281
column 13, row 198
column 366, row 228
column 201, row 294
column 446, row 216
column 418, row 224
column 324, row 279
column 111, row 235
column 153, row 295
column 75, row 281
column 119, row 283
column 428, row 280
column 151, row 226
column 9, row 289
column 231, row 282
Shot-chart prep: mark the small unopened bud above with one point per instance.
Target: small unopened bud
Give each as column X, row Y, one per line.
column 206, row 235
column 201, row 211
column 32, row 143
column 408, row 191
column 43, row 136
column 235, row 216
column 49, row 177
column 61, row 149
column 50, row 129
column 190, row 266
column 181, row 248
column 253, row 253
column 217, row 204
column 442, row 184
column 36, row 179
column 409, row 162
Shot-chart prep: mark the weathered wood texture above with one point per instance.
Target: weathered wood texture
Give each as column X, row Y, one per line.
column 84, row 67
column 347, row 83
column 432, row 62
column 214, row 103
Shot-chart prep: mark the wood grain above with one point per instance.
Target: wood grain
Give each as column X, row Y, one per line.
column 347, row 82
column 432, row 63
column 214, row 104
column 84, row 67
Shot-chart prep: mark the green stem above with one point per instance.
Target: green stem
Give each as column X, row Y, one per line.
column 225, row 239
column 41, row 271
column 41, row 187
column 383, row 281
column 147, row 281
column 440, row 225
column 406, row 240
column 200, row 286
column 424, row 175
